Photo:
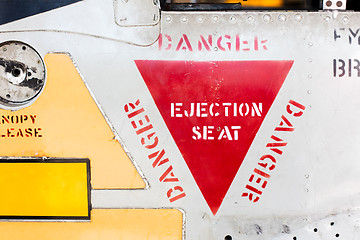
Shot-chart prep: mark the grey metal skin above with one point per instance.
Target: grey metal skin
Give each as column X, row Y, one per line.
column 314, row 191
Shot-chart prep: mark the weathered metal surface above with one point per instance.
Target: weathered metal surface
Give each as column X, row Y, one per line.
column 300, row 167
column 22, row 74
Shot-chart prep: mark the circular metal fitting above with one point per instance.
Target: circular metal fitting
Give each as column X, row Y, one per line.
column 282, row 18
column 250, row 18
column 168, row 18
column 267, row 18
column 200, row 19
column 298, row 17
column 22, row 75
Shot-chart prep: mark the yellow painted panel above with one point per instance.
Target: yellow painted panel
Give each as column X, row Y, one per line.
column 65, row 122
column 106, row 224
column 35, row 189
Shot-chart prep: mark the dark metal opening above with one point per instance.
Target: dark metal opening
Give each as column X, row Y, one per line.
column 235, row 5
column 229, row 5
column 16, row 72
column 228, row 237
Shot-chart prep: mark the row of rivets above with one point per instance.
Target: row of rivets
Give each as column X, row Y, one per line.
column 267, row 18
column 345, row 19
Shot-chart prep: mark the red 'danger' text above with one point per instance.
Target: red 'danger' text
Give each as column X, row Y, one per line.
column 267, row 162
column 141, row 123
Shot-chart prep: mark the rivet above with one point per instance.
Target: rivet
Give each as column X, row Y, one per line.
column 309, row 76
column 327, row 18
column 184, row 19
column 267, row 18
column 282, row 18
column 232, row 19
column 310, row 60
column 215, row 18
column 216, row 48
column 345, row 19
column 298, row 17
column 200, row 19
column 250, row 18
column 168, row 19
column 310, row 44
column 4, row 49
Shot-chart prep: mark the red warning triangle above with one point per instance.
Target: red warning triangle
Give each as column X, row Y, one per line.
column 213, row 111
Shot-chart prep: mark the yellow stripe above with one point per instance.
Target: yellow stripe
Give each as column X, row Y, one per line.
column 106, row 224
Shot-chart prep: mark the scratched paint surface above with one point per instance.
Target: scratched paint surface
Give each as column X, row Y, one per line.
column 66, row 122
